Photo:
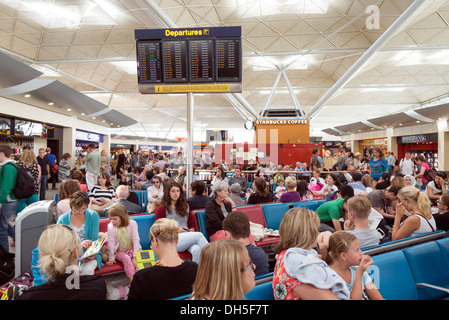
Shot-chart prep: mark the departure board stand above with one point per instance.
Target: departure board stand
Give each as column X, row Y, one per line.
column 189, row 143
column 189, row 60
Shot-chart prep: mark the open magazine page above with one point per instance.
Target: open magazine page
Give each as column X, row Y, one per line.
column 94, row 248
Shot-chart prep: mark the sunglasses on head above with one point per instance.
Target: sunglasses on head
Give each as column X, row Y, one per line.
column 441, row 174
column 83, row 195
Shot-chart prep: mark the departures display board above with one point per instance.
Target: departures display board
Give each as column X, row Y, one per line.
column 189, row 60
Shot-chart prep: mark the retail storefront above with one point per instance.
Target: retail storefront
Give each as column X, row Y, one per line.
column 367, row 146
column 82, row 141
column 425, row 144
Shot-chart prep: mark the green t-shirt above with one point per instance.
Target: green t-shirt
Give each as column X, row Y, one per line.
column 331, row 210
column 93, row 162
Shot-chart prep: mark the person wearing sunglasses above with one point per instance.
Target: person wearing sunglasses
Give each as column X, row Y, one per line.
column 86, row 224
column 154, row 194
column 225, row 272
column 59, row 248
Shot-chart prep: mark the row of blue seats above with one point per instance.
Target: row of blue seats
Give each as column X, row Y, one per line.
column 419, row 272
column 269, row 215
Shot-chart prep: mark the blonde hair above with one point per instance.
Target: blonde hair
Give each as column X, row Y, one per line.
column 220, row 274
column 28, row 157
column 367, row 181
column 361, row 207
column 339, row 242
column 56, row 246
column 290, row 182
column 419, row 197
column 165, row 230
column 298, row 229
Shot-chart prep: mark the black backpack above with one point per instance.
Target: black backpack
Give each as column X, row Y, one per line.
column 24, row 187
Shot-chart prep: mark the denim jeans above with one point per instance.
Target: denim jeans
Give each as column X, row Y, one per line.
column 43, row 184
column 193, row 242
column 7, row 213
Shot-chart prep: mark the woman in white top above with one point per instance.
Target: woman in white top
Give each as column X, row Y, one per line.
column 154, row 194
column 331, row 186
column 221, row 175
column 420, row 220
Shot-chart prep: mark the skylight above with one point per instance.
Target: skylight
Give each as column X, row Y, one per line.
column 51, row 14
column 257, row 8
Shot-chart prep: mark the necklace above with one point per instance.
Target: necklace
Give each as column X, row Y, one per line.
column 159, row 263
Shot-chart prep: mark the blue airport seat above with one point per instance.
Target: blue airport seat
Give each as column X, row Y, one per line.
column 274, row 213
column 392, row 276
column 311, row 205
column 200, row 217
column 263, row 291
column 144, row 223
column 444, row 247
column 428, row 265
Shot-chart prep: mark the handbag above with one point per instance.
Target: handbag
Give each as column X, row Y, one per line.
column 54, row 169
column 430, row 174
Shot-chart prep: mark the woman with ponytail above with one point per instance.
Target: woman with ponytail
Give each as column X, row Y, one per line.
column 420, row 219
column 59, row 247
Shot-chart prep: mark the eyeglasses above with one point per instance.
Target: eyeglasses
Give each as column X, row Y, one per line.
column 250, row 266
column 156, row 181
column 152, row 235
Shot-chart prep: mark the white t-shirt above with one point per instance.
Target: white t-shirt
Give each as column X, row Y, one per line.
column 407, row 166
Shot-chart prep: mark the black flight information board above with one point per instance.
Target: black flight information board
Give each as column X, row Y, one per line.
column 201, row 54
column 175, row 58
column 189, row 60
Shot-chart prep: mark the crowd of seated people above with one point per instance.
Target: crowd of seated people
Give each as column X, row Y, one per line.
column 371, row 210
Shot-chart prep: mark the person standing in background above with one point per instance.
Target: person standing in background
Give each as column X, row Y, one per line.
column 43, row 161
column 53, row 175
column 93, row 164
column 8, row 201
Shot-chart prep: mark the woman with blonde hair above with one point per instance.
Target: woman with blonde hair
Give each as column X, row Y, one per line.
column 28, row 161
column 419, row 220
column 59, row 247
column 225, row 272
column 171, row 276
column 299, row 273
column 367, row 181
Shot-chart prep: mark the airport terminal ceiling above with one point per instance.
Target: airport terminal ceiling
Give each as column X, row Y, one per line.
column 341, row 62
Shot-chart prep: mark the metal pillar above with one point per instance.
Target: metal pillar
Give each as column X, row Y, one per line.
column 189, row 142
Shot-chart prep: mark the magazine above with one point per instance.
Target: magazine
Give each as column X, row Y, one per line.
column 94, row 248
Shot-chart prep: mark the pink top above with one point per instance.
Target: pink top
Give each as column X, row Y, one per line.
column 113, row 243
column 425, row 165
